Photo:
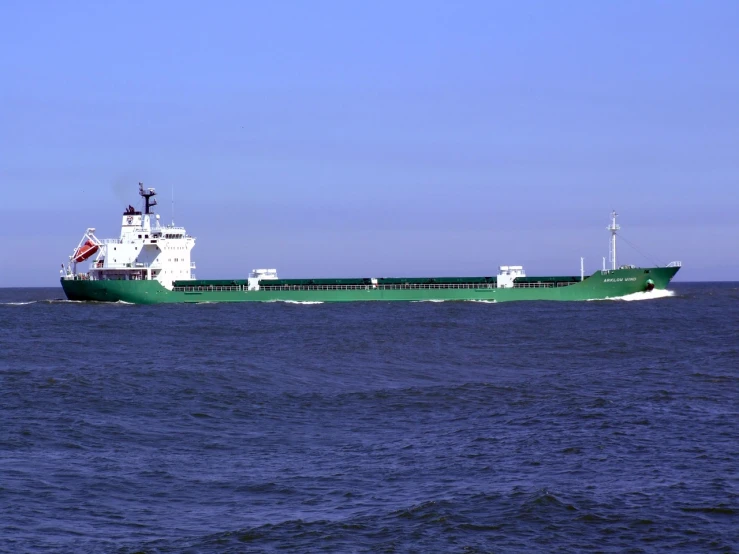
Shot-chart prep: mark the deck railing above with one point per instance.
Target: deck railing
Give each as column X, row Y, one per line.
column 399, row 286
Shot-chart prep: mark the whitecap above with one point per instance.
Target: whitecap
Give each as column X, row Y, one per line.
column 642, row 295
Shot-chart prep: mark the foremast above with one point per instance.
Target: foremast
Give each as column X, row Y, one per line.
column 613, row 228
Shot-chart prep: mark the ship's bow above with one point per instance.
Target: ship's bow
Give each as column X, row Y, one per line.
column 661, row 276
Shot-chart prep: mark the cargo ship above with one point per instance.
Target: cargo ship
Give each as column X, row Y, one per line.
column 150, row 263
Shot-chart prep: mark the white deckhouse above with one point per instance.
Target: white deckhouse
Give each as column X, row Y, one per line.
column 145, row 250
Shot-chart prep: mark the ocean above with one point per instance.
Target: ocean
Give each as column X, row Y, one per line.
column 609, row 426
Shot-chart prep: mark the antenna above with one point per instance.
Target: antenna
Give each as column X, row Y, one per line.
column 172, row 205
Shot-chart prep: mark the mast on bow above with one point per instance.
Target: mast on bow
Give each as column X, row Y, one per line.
column 613, row 227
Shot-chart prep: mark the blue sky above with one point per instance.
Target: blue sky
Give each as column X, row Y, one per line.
column 374, row 139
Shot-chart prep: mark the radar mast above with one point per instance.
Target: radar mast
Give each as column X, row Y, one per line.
column 147, row 195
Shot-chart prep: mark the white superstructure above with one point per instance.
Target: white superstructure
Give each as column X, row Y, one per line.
column 507, row 274
column 146, row 250
column 257, row 275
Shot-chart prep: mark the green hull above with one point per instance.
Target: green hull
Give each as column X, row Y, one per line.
column 600, row 285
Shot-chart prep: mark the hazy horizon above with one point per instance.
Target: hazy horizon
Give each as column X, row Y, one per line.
column 392, row 139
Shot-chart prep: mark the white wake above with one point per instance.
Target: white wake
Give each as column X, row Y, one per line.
column 643, row 295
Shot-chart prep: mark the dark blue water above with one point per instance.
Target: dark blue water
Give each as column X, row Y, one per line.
column 606, row 426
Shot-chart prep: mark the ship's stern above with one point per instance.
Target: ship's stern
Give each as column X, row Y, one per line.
column 113, row 290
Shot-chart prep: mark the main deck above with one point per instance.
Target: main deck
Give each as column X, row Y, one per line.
column 364, row 284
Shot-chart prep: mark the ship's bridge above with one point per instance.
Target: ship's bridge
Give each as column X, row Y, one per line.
column 171, row 232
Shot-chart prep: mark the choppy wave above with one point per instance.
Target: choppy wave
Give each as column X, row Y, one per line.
column 369, row 426
column 511, row 519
